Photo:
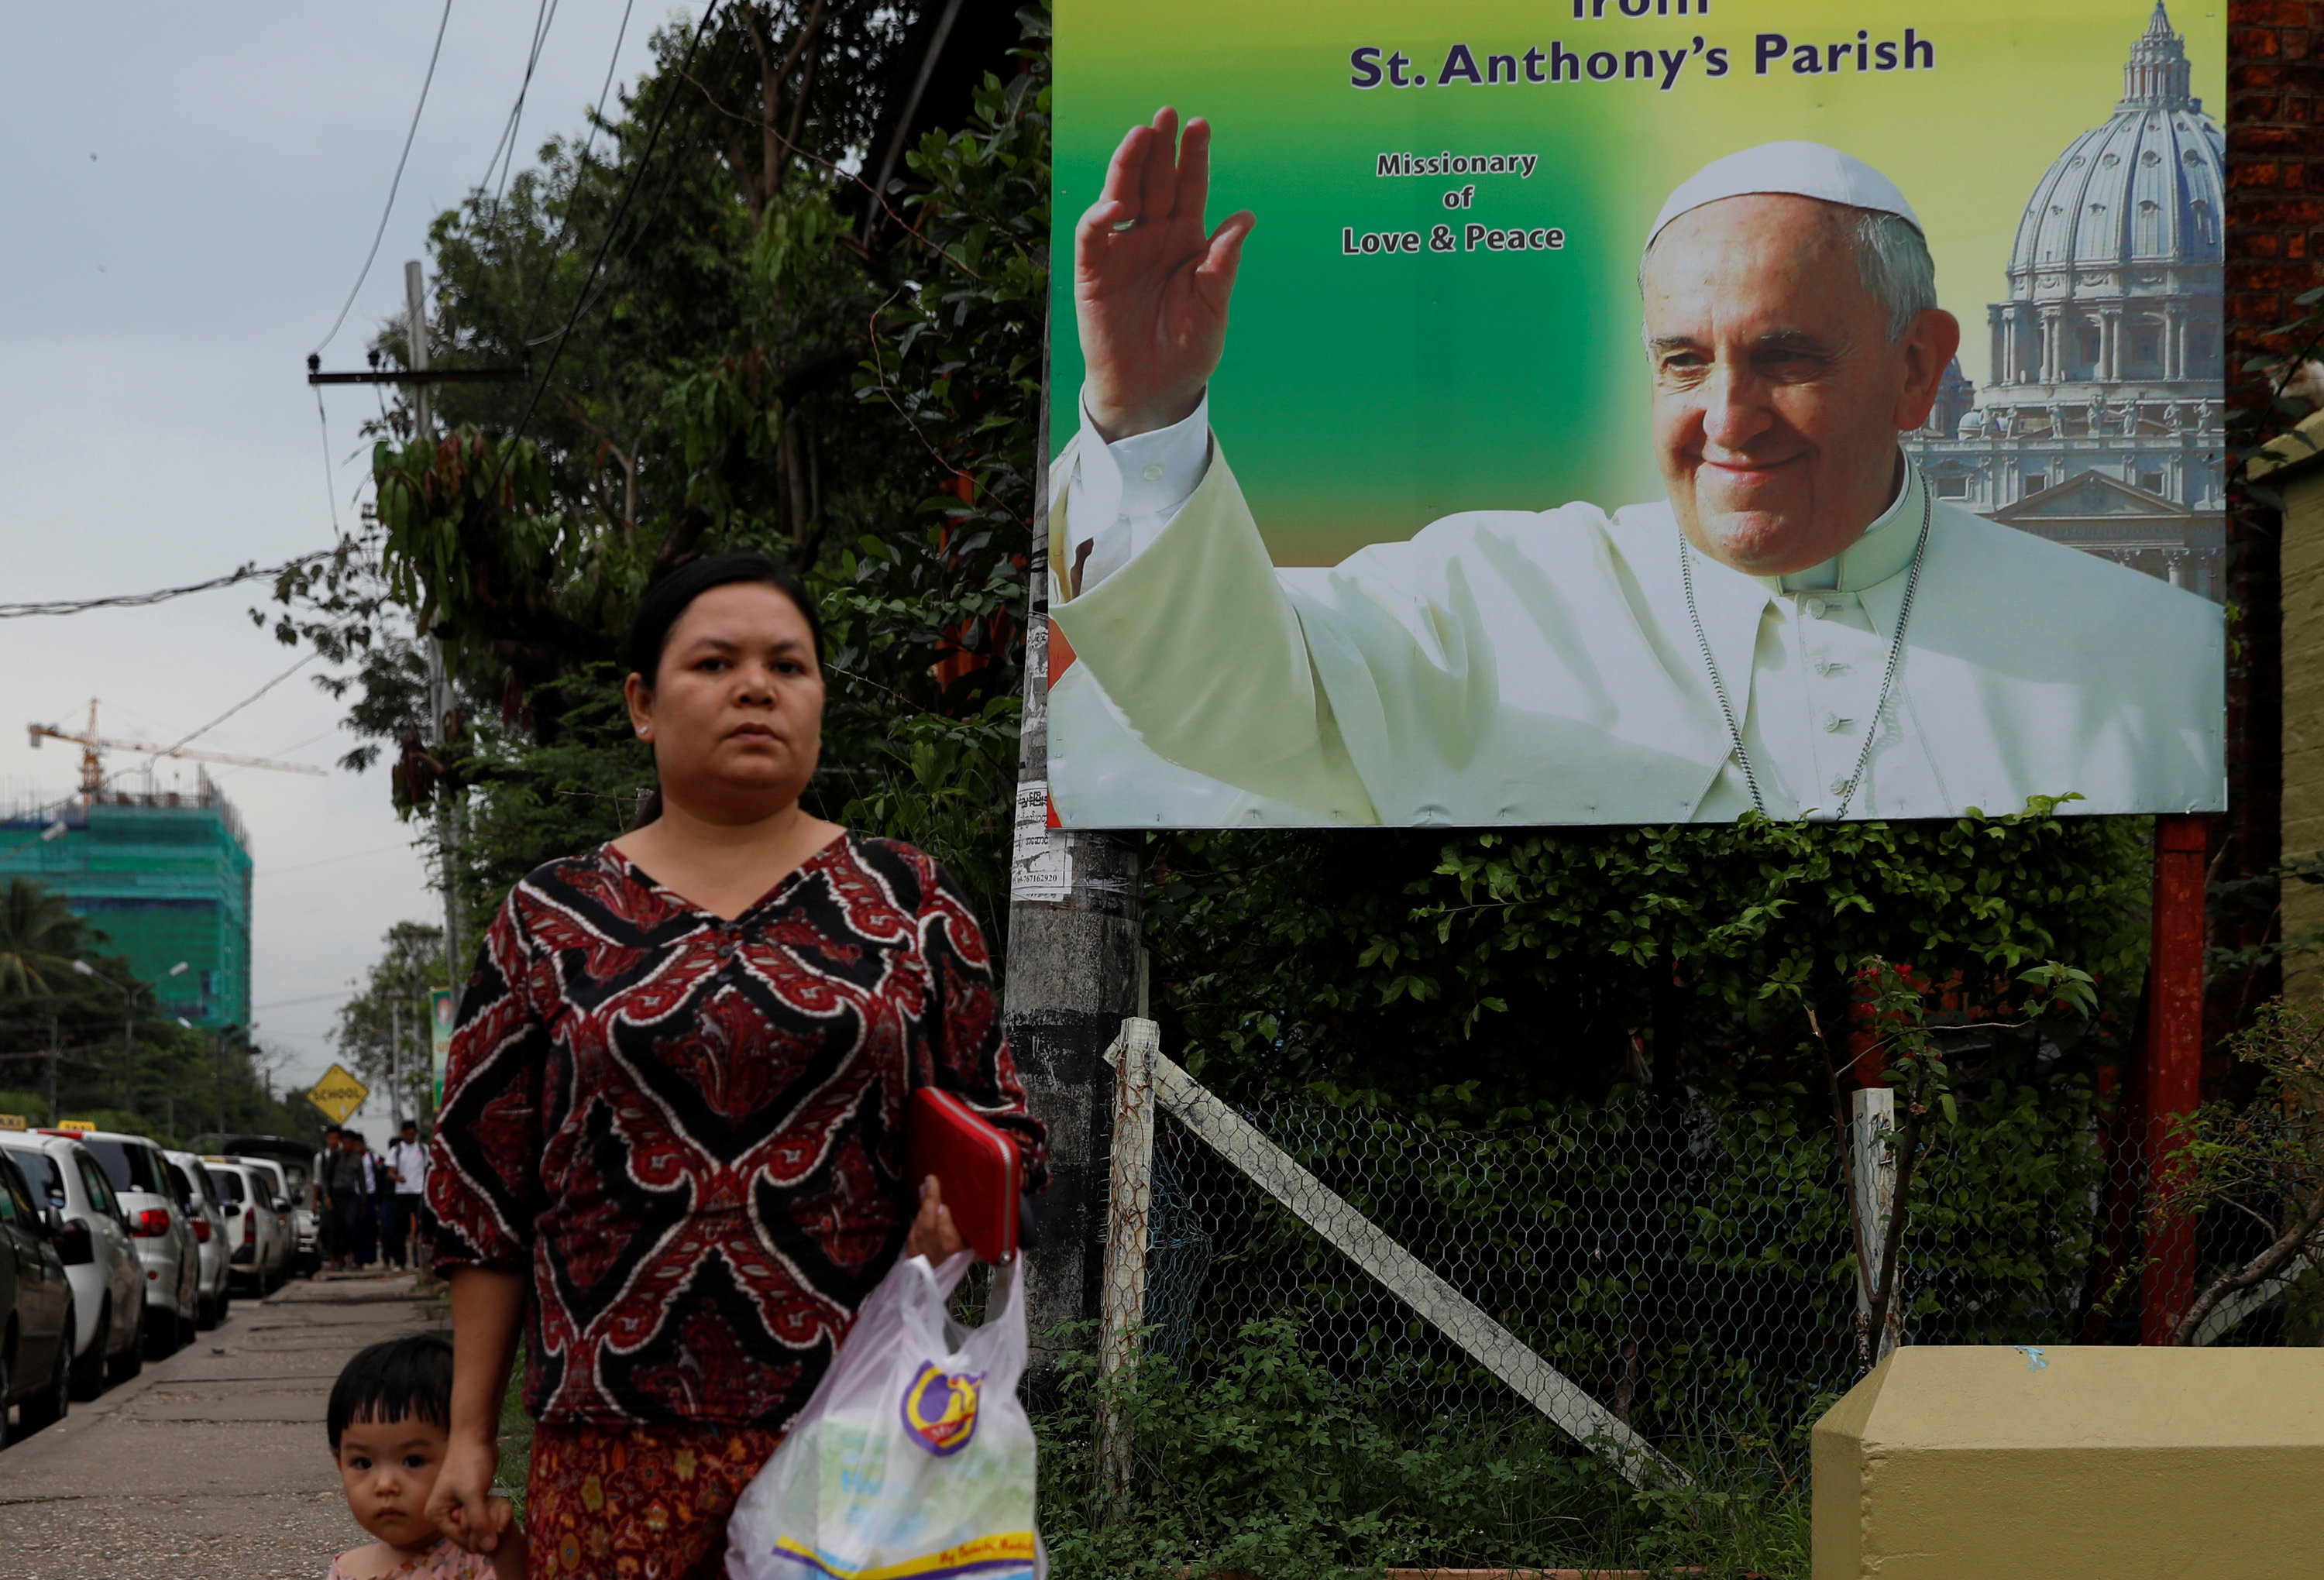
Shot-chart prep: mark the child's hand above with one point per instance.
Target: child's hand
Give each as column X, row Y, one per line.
column 508, row 1550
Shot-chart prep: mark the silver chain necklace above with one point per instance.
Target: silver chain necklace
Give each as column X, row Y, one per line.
column 1888, row 675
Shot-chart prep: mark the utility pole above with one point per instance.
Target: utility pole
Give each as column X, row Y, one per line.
column 415, row 330
column 439, row 685
column 1075, row 951
column 218, row 1080
column 56, row 1051
column 394, row 1045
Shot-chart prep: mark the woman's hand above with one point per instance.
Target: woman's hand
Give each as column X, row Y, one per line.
column 461, row 1503
column 932, row 1233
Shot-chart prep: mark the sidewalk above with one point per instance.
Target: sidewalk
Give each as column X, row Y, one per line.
column 212, row 1463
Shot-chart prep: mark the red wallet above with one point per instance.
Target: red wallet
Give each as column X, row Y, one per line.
column 975, row 1166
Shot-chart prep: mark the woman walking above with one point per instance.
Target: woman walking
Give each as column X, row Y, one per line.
column 672, row 1133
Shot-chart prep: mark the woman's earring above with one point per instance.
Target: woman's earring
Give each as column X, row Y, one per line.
column 644, row 733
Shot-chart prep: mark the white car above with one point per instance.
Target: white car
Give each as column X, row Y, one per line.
column 253, row 1229
column 213, row 1294
column 99, row 1256
column 286, row 1210
column 163, row 1232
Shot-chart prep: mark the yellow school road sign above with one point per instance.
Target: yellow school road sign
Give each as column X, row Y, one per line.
column 338, row 1094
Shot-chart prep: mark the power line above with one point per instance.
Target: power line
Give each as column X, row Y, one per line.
column 581, row 298
column 504, row 151
column 237, row 708
column 573, row 203
column 412, row 132
column 248, row 572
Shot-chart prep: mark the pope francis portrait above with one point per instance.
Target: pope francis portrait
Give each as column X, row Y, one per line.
column 1799, row 626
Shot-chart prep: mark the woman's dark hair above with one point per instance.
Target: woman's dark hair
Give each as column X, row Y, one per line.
column 390, row 1382
column 669, row 598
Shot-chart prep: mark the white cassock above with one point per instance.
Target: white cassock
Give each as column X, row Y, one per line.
column 1512, row 668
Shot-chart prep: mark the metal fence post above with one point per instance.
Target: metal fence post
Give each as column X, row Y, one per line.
column 1129, row 1203
column 1872, row 1158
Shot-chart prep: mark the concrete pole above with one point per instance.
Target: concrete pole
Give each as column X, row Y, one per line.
column 56, row 1050
column 1074, row 977
column 394, row 1046
column 415, row 332
column 439, row 686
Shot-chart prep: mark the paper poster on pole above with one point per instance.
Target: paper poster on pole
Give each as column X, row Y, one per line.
column 443, row 1010
column 1636, row 411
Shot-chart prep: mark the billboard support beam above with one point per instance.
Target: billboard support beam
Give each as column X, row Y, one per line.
column 2174, row 1056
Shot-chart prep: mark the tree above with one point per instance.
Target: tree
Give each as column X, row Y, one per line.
column 770, row 357
column 39, row 938
column 383, row 1032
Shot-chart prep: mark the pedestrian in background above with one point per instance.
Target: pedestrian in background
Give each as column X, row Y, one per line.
column 343, row 1177
column 319, row 1189
column 366, row 1228
column 407, row 1162
column 671, row 1141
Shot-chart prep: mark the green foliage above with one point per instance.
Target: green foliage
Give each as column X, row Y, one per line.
column 2260, row 1166
column 772, row 359
column 1497, row 969
column 1266, row 1464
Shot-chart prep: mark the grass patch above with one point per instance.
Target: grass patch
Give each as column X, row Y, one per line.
column 1268, row 1465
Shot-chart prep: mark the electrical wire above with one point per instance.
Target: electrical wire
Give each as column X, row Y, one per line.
column 139, row 600
column 504, row 151
column 237, row 708
column 331, row 489
column 621, row 35
column 412, row 131
column 582, row 297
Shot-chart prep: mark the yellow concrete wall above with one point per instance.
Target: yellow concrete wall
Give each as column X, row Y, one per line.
column 2101, row 1463
column 2299, row 474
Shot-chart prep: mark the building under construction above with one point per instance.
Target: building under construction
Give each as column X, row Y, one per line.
column 164, row 875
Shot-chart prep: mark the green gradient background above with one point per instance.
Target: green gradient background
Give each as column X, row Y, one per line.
column 1362, row 398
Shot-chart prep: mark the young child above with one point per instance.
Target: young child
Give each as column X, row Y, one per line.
column 389, row 1414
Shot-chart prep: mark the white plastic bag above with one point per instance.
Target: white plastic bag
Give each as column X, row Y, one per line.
column 914, row 1458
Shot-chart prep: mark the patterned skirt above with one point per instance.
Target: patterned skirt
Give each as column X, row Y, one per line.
column 625, row 1502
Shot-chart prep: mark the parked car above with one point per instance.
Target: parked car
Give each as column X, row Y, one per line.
column 286, row 1207
column 297, row 1161
column 100, row 1257
column 36, row 1309
column 253, row 1229
column 212, row 1294
column 166, row 1247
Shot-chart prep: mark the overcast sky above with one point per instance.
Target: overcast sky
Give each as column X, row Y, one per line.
column 190, row 192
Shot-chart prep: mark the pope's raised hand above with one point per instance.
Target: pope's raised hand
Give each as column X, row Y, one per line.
column 1150, row 284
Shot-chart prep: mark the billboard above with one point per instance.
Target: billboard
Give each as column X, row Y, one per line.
column 443, row 1014
column 1399, row 479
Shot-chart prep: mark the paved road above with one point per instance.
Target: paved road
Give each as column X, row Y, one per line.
column 213, row 1462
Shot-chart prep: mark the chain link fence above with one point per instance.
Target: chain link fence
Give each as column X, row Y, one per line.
column 1691, row 1277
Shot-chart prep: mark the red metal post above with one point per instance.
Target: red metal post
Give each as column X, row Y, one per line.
column 2174, row 1054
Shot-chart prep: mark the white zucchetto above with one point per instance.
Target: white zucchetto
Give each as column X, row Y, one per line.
column 1808, row 170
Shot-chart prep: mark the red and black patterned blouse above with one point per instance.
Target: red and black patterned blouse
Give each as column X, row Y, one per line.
column 688, row 1131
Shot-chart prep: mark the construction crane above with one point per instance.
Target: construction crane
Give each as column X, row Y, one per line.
column 93, row 745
